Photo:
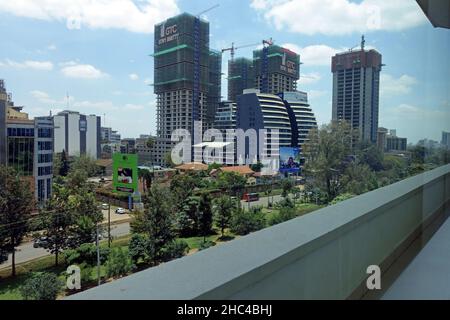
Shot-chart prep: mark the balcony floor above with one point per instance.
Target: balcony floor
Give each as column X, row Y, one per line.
column 428, row 275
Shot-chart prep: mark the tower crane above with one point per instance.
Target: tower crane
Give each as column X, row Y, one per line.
column 233, row 49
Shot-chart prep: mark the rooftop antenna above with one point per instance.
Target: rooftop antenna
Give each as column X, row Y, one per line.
column 363, row 43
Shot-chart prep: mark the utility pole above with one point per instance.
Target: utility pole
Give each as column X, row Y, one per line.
column 109, row 224
column 98, row 256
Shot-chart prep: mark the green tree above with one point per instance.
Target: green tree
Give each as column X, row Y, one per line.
column 342, row 197
column 86, row 164
column 157, row 221
column 369, row 154
column 205, row 215
column 64, row 164
column 232, row 182
column 137, row 248
column 16, row 205
column 188, row 218
column 118, row 264
column 257, row 167
column 359, row 179
column 57, row 218
column 213, row 166
column 245, row 221
column 327, row 152
column 286, row 185
column 146, row 177
column 284, row 214
column 41, row 286
column 223, row 210
column 182, row 187
column 174, row 250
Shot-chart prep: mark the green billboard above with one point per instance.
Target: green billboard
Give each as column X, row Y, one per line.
column 125, row 173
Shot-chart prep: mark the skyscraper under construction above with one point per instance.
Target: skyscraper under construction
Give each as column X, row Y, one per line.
column 187, row 78
column 272, row 70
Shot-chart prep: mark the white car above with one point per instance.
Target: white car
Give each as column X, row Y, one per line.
column 105, row 206
column 120, row 211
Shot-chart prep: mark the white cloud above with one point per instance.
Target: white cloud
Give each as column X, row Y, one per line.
column 29, row 64
column 44, row 97
column 51, row 47
column 340, row 17
column 309, row 78
column 390, row 86
column 96, row 14
column 314, row 55
column 317, row 55
column 133, row 76
column 148, row 81
column 82, row 71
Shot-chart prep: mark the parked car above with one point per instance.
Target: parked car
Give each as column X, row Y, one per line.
column 105, row 206
column 249, row 197
column 120, row 211
column 41, row 242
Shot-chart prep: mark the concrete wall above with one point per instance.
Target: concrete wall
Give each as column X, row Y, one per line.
column 322, row 255
column 60, row 134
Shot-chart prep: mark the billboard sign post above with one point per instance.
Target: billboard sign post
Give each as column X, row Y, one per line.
column 290, row 160
column 125, row 175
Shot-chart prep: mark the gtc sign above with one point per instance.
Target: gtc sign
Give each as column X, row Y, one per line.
column 168, row 34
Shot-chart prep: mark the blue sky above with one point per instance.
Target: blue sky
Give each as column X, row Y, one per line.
column 97, row 52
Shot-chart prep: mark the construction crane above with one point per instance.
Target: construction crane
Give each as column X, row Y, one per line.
column 265, row 65
column 207, row 10
column 196, row 110
column 233, row 49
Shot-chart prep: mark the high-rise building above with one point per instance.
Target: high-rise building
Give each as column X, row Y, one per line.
column 394, row 143
column 273, row 70
column 144, row 150
column 27, row 145
column 109, row 136
column 187, row 78
column 225, row 116
column 356, row 87
column 381, row 138
column 240, row 77
column 276, row 69
column 287, row 112
column 445, row 142
column 301, row 114
column 77, row 134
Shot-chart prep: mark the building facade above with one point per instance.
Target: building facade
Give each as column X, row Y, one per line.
column 241, row 76
column 27, row 146
column 276, row 69
column 77, row 134
column 109, row 136
column 445, row 141
column 262, row 111
column 225, row 118
column 187, row 78
column 303, row 116
column 356, row 87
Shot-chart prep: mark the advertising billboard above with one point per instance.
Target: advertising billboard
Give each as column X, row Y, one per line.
column 289, row 160
column 125, row 174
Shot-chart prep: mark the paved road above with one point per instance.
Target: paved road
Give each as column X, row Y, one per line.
column 26, row 252
column 261, row 202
